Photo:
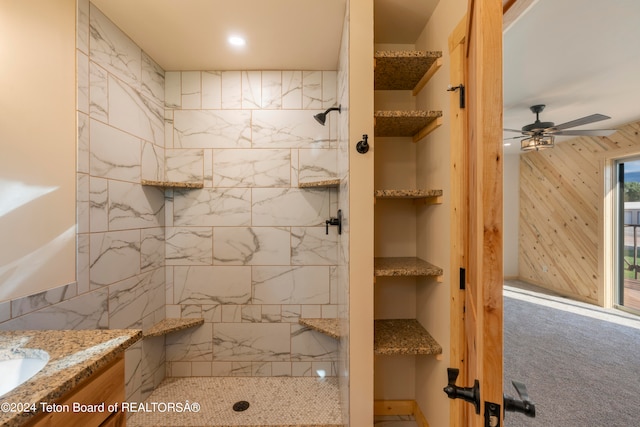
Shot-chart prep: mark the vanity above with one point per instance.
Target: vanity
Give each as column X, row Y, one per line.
column 81, row 384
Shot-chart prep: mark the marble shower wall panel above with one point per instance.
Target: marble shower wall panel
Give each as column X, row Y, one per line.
column 290, row 206
column 291, row 285
column 211, row 129
column 288, row 129
column 317, row 164
column 212, row 285
column 121, row 245
column 251, row 245
column 268, row 260
column 252, row 168
column 212, row 207
column 184, row 165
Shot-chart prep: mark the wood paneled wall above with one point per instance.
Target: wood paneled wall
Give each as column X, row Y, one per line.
column 561, row 212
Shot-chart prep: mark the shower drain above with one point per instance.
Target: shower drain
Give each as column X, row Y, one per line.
column 241, row 406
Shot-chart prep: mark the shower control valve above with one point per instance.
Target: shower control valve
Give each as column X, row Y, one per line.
column 335, row 221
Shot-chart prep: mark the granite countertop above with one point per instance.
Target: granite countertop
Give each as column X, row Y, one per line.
column 74, row 356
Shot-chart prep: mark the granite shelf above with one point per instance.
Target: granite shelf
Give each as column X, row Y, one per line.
column 167, row 184
column 403, row 337
column 404, row 266
column 330, row 327
column 434, row 196
column 405, row 70
column 414, row 123
column 168, row 326
column 327, row 183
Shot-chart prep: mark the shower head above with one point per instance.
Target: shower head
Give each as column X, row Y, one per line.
column 322, row 117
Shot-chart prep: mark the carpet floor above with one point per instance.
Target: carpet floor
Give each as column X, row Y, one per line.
column 580, row 363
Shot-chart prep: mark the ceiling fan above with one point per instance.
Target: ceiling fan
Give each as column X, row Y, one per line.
column 539, row 135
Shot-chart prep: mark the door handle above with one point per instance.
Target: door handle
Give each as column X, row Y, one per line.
column 468, row 394
column 524, row 405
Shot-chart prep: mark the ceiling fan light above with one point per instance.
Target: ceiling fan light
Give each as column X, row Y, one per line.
column 537, row 142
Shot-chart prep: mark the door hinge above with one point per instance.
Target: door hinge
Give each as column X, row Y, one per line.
column 463, row 278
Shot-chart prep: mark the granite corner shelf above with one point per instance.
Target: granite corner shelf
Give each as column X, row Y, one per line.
column 170, row 325
column 404, row 266
column 403, row 337
column 405, row 69
column 171, row 185
column 413, row 123
column 329, row 327
column 326, row 183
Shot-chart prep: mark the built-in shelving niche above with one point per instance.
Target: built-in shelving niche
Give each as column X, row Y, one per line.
column 406, row 70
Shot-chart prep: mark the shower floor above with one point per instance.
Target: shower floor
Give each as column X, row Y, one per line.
column 274, row 401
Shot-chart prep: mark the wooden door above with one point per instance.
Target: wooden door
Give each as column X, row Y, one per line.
column 476, row 61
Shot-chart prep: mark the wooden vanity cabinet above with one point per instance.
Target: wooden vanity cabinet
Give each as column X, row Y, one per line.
column 106, row 385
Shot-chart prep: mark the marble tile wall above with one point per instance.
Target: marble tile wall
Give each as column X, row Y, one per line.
column 249, row 252
column 120, row 224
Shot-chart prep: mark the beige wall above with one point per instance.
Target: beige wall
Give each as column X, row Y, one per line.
column 433, row 171
column 360, row 219
column 37, row 161
column 562, row 213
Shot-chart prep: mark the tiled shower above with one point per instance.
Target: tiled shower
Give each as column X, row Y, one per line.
column 249, row 252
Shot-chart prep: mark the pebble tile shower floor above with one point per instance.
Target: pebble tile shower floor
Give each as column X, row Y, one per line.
column 274, row 401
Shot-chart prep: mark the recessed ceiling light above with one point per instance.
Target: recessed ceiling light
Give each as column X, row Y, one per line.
column 236, row 41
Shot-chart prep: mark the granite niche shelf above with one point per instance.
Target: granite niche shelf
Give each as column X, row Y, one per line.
column 403, row 337
column 405, row 69
column 411, row 123
column 168, row 326
column 428, row 196
column 404, row 266
column 327, row 183
column 330, row 327
column 167, row 184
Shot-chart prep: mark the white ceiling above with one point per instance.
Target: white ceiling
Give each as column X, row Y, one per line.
column 192, row 34
column 577, row 57
column 280, row 34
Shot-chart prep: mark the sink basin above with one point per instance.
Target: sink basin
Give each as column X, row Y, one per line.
column 18, row 365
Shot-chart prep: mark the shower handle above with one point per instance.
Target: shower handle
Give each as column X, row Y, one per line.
column 335, row 221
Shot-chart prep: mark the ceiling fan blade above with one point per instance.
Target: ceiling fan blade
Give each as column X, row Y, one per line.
column 516, row 137
column 579, row 122
column 585, row 132
column 524, row 132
